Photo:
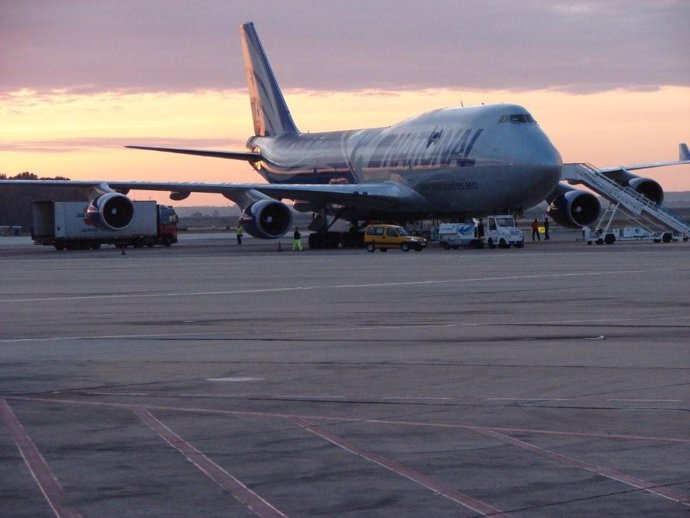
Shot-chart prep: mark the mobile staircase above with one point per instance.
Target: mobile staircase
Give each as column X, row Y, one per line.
column 655, row 218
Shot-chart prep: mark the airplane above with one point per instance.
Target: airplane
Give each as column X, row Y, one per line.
column 451, row 163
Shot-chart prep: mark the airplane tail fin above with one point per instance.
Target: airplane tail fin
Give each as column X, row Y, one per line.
column 269, row 110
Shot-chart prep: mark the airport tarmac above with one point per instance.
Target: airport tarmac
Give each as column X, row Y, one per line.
column 211, row 380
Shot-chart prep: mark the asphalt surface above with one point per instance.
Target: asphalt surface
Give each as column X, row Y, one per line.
column 210, row 380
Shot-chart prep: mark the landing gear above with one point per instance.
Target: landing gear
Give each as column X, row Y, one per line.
column 324, row 238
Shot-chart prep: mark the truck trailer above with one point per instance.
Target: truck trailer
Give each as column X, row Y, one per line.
column 66, row 226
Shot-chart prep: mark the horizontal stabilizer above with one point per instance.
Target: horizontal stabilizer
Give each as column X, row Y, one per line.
column 232, row 155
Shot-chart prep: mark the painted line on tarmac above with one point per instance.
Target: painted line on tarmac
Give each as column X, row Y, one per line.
column 317, row 418
column 415, row 476
column 241, row 492
column 656, row 322
column 633, row 400
column 594, row 468
column 530, row 277
column 36, row 463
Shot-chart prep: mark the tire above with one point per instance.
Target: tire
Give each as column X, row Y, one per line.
column 59, row 246
column 490, row 242
column 609, row 239
column 371, row 247
column 417, row 248
column 405, row 247
column 667, row 237
column 503, row 244
column 445, row 246
column 383, row 249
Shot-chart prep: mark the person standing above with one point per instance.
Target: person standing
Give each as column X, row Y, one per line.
column 296, row 241
column 546, row 227
column 239, row 233
column 535, row 230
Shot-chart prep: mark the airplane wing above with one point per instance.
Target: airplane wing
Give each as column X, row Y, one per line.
column 368, row 196
column 375, row 196
column 249, row 156
column 683, row 158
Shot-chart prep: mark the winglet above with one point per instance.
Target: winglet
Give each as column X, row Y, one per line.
column 684, row 154
column 269, row 109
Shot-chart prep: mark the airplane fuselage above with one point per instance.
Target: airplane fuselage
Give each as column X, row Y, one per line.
column 482, row 159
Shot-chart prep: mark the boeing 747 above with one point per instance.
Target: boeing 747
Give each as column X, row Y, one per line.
column 456, row 162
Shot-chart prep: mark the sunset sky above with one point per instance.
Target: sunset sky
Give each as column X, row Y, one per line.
column 608, row 81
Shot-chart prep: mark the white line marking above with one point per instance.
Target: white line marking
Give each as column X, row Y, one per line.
column 401, row 470
column 235, row 379
column 336, row 286
column 594, row 468
column 38, row 467
column 241, row 492
column 417, row 398
column 648, row 400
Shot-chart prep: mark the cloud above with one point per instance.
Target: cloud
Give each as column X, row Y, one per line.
column 176, row 45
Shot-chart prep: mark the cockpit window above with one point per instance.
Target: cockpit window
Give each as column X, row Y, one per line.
column 518, row 118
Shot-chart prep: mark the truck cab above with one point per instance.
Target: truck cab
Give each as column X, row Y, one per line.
column 502, row 232
column 167, row 225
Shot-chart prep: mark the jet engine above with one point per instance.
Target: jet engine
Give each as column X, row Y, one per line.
column 645, row 186
column 111, row 211
column 573, row 208
column 266, row 219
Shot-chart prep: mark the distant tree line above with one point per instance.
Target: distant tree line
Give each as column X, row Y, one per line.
column 16, row 200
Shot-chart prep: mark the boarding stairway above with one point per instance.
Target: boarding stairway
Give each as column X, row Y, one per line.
column 638, row 207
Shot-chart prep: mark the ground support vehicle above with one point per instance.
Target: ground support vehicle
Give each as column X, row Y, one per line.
column 613, row 234
column 502, row 232
column 66, row 226
column 384, row 236
column 456, row 235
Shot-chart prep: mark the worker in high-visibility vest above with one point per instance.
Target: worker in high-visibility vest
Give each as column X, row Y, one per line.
column 296, row 241
column 239, row 233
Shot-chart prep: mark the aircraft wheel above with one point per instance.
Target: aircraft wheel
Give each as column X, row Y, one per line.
column 371, row 247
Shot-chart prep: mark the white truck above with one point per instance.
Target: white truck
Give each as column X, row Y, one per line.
column 614, row 234
column 496, row 231
column 503, row 232
column 65, row 226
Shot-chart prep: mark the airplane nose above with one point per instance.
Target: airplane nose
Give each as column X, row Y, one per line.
column 545, row 157
column 543, row 163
